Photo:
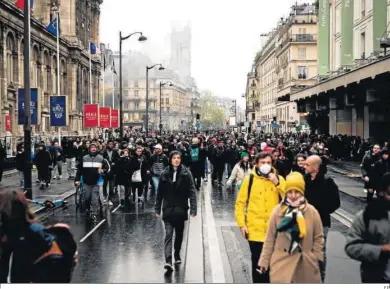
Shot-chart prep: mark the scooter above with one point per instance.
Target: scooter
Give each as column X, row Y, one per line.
column 48, row 204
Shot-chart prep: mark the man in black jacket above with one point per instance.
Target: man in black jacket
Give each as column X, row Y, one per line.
column 322, row 193
column 112, row 156
column 176, row 186
column 367, row 169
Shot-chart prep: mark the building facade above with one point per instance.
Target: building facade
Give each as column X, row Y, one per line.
column 181, row 41
column 286, row 63
column 251, row 98
column 179, row 102
column 74, row 62
column 350, row 97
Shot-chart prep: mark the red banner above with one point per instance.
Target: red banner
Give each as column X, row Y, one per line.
column 91, row 112
column 105, row 116
column 8, row 122
column 114, row 118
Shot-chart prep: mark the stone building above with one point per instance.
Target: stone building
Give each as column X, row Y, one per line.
column 79, row 24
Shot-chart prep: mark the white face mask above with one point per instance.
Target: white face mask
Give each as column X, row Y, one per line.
column 265, row 169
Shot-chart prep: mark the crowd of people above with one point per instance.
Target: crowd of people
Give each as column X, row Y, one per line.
column 284, row 197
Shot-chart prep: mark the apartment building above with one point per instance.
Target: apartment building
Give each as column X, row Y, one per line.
column 350, row 97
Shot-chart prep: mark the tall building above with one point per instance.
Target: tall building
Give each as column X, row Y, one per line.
column 176, row 110
column 79, row 21
column 286, row 63
column 181, row 41
column 350, row 96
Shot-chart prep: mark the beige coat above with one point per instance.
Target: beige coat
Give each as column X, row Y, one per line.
column 302, row 266
column 238, row 174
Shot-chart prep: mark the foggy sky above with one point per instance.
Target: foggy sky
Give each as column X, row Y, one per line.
column 225, row 34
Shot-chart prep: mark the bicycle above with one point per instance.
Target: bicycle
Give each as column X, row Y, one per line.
column 81, row 203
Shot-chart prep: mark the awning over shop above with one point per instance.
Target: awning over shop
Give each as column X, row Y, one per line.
column 355, row 76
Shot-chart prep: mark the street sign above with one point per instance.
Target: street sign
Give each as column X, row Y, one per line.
column 259, row 123
column 275, row 125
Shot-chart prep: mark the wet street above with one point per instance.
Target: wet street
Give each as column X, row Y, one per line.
column 126, row 246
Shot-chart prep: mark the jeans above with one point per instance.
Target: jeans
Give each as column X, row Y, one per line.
column 110, row 183
column 58, row 166
column 70, row 166
column 256, row 248
column 21, row 178
column 139, row 187
column 92, row 196
column 323, row 264
column 179, row 230
column 123, row 192
column 155, row 180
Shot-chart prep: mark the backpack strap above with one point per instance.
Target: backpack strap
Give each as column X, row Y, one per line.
column 250, row 186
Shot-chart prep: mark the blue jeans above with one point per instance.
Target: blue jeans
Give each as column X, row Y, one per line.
column 155, row 180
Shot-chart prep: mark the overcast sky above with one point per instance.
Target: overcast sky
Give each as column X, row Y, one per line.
column 225, row 34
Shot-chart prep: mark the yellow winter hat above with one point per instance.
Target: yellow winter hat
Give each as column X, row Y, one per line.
column 295, row 181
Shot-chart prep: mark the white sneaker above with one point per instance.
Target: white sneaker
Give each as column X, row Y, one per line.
column 60, row 177
column 104, row 202
column 110, row 203
column 55, row 177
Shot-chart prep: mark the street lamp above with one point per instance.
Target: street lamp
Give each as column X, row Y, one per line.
column 141, row 38
column 161, row 85
column 147, row 94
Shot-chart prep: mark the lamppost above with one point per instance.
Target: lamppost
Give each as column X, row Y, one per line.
column 141, row 38
column 161, row 85
column 147, row 94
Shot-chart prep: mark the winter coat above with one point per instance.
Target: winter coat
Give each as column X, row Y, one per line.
column 137, row 163
column 173, row 196
column 43, row 160
column 381, row 167
column 197, row 167
column 323, row 194
column 302, row 265
column 264, row 197
column 238, row 175
column 121, row 169
column 369, row 231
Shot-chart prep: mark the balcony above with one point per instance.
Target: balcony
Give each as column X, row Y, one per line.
column 296, row 38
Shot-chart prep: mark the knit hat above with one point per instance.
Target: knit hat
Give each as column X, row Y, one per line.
column 244, row 154
column 158, row 146
column 295, row 181
column 385, row 151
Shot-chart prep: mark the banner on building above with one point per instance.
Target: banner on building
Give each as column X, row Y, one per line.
column 323, row 37
column 91, row 115
column 114, row 118
column 8, row 125
column 35, row 106
column 105, row 117
column 379, row 22
column 59, row 114
column 347, row 33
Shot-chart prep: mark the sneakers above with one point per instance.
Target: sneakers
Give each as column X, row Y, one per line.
column 168, row 267
column 177, row 260
column 55, row 177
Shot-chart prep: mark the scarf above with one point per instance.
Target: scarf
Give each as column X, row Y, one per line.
column 293, row 221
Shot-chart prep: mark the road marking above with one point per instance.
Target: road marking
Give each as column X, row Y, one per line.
column 93, row 230
column 217, row 271
column 343, row 217
column 116, row 209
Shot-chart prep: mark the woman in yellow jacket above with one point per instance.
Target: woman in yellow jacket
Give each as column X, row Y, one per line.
column 259, row 194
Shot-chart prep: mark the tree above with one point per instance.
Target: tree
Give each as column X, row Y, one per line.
column 211, row 114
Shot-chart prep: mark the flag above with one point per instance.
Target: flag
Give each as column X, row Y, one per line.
column 20, row 4
column 113, row 67
column 92, row 48
column 52, row 27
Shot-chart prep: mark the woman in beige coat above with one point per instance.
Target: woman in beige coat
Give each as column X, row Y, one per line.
column 294, row 241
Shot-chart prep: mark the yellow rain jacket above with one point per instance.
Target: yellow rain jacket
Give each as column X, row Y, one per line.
column 264, row 197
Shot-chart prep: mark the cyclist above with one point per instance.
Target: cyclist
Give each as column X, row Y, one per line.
column 91, row 168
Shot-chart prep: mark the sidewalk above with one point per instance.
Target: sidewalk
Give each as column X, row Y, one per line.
column 59, row 189
column 349, row 169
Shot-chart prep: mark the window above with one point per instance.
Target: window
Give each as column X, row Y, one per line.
column 363, row 7
column 136, row 93
column 363, row 45
column 302, row 53
column 167, row 101
column 302, row 72
column 253, row 116
column 135, row 83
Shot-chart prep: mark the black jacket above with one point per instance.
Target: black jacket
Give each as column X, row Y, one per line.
column 381, row 167
column 173, row 196
column 323, row 194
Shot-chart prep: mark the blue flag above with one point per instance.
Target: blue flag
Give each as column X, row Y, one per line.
column 52, row 27
column 92, row 48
